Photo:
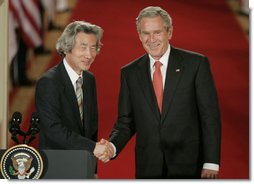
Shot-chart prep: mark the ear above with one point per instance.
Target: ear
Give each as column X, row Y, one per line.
column 170, row 33
column 139, row 35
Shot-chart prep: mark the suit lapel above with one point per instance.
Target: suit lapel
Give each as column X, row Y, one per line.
column 145, row 81
column 174, row 73
column 86, row 99
column 85, row 90
column 70, row 95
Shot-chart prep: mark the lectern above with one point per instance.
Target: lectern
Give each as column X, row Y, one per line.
column 66, row 164
column 25, row 162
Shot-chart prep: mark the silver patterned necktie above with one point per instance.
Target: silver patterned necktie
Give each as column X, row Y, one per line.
column 79, row 94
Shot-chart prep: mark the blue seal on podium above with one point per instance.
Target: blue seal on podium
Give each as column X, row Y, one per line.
column 21, row 162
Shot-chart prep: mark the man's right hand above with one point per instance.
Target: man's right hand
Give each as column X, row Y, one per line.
column 103, row 150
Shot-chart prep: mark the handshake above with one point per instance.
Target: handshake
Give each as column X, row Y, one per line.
column 103, row 150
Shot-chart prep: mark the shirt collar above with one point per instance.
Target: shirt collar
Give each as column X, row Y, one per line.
column 163, row 59
column 72, row 74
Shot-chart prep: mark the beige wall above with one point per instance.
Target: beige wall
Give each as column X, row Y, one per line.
column 3, row 72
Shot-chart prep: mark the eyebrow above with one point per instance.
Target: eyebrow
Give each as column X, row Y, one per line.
column 85, row 44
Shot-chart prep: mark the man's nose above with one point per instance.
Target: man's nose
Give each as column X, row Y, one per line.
column 151, row 38
column 88, row 53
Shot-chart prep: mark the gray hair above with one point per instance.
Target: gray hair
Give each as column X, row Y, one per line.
column 154, row 11
column 66, row 41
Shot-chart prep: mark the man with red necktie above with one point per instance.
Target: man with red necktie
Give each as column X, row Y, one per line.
column 169, row 100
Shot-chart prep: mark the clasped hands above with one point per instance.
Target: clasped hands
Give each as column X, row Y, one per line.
column 103, row 150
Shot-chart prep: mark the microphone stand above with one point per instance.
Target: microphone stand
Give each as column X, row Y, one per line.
column 14, row 128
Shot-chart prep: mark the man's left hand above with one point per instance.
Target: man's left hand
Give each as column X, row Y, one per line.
column 209, row 174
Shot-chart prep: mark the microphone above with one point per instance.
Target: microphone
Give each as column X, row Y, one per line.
column 34, row 127
column 14, row 126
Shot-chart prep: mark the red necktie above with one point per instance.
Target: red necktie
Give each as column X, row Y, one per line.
column 157, row 84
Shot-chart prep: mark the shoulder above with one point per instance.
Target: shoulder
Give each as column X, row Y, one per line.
column 51, row 74
column 135, row 63
column 187, row 53
column 189, row 58
column 89, row 75
column 50, row 79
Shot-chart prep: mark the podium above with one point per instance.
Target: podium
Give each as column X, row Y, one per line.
column 66, row 164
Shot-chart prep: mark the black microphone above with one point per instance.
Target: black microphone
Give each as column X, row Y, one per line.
column 14, row 126
column 34, row 127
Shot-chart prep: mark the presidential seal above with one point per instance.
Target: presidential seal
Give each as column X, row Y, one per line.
column 21, row 162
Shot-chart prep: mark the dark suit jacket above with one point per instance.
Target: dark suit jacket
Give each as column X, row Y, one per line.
column 57, row 106
column 187, row 134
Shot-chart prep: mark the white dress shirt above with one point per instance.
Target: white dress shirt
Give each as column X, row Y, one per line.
column 72, row 74
column 164, row 66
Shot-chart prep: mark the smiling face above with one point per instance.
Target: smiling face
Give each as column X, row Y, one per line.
column 154, row 36
column 83, row 52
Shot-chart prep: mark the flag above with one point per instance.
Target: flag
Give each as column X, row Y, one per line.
column 28, row 18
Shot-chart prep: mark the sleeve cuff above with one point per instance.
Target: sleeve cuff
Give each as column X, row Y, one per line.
column 211, row 166
column 114, row 149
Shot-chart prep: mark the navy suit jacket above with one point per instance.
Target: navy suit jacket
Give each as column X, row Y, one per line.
column 57, row 106
column 186, row 134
